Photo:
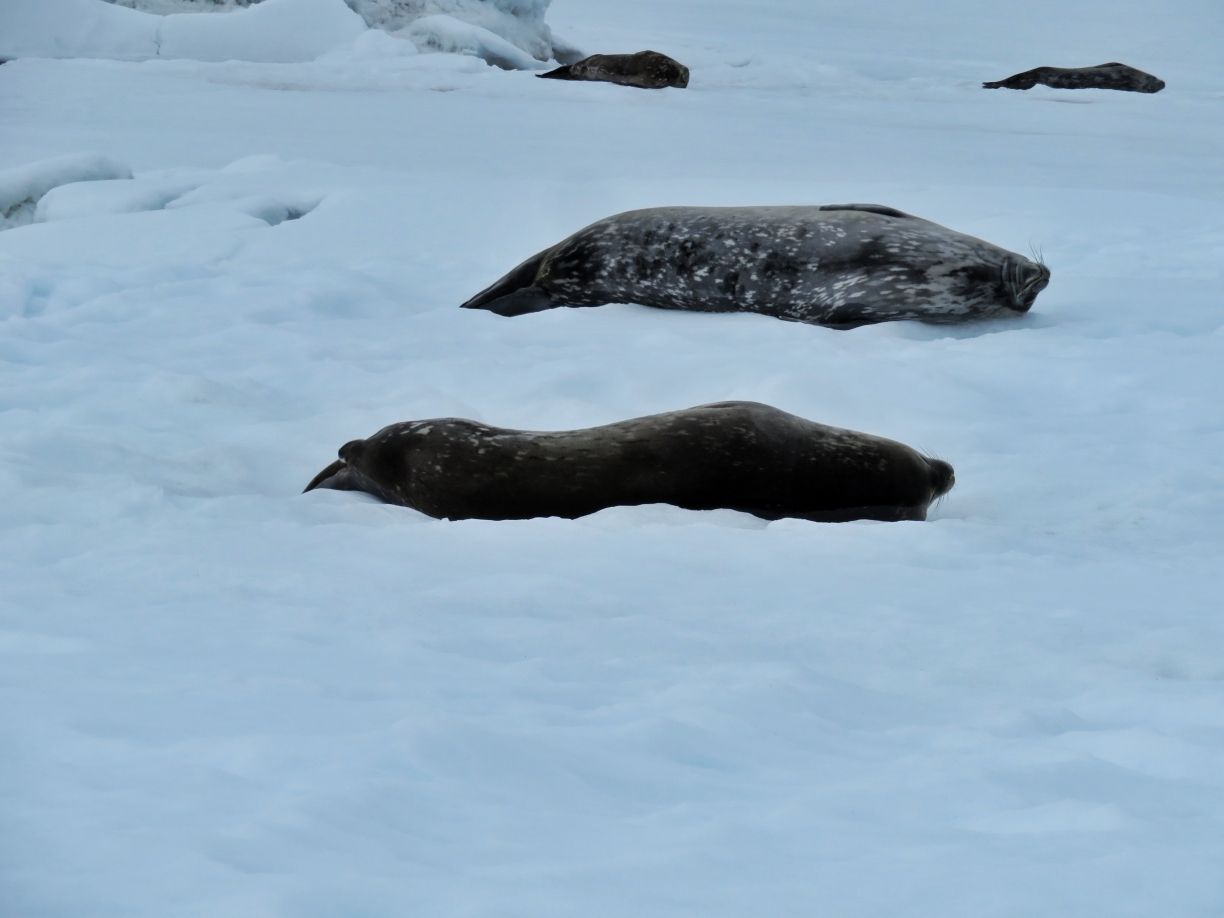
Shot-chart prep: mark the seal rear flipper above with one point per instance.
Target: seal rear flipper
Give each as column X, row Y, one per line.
column 519, row 303
column 335, row 476
column 516, row 293
column 561, row 73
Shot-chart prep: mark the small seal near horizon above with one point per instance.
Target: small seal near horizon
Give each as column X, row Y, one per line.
column 730, row 455
column 646, row 70
column 840, row 265
column 1103, row 76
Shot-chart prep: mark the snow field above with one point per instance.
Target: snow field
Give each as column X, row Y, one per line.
column 224, row 698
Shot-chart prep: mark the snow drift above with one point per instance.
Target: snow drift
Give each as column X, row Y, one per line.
column 22, row 188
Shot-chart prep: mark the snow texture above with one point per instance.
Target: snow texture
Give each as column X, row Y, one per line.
column 223, row 698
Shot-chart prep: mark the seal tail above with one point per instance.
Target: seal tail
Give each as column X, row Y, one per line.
column 516, row 293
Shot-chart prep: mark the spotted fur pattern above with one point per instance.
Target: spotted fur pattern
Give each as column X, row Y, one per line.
column 838, row 265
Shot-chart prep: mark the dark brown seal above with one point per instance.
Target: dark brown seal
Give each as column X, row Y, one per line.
column 646, row 69
column 1102, row 76
column 840, row 265
column 735, row 455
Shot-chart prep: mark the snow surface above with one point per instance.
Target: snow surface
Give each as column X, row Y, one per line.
column 224, row 698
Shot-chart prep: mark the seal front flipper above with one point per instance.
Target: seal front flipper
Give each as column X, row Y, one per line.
column 516, row 293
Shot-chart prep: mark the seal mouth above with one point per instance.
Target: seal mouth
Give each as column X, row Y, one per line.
column 1024, row 279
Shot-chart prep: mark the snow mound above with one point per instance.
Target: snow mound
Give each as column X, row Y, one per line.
column 22, row 188
column 450, row 35
column 165, row 211
column 75, row 28
column 273, row 31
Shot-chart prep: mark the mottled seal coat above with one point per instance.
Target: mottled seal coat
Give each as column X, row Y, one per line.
column 1103, row 76
column 646, row 69
column 737, row 455
column 841, row 265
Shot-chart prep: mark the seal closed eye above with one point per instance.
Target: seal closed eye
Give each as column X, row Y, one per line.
column 735, row 455
column 839, row 265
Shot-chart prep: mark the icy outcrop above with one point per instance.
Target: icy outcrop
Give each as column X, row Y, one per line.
column 23, row 187
column 517, row 22
column 450, row 35
column 520, row 22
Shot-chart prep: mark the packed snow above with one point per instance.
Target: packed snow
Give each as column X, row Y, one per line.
column 226, row 698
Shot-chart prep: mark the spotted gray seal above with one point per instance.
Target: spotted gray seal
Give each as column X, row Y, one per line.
column 841, row 265
column 737, row 455
column 1103, row 76
column 646, row 70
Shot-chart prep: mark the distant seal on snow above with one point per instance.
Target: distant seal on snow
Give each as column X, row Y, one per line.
column 646, row 69
column 1103, row 76
column 841, row 265
column 736, row 455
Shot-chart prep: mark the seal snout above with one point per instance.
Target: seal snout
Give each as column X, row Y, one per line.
column 942, row 477
column 1024, row 279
